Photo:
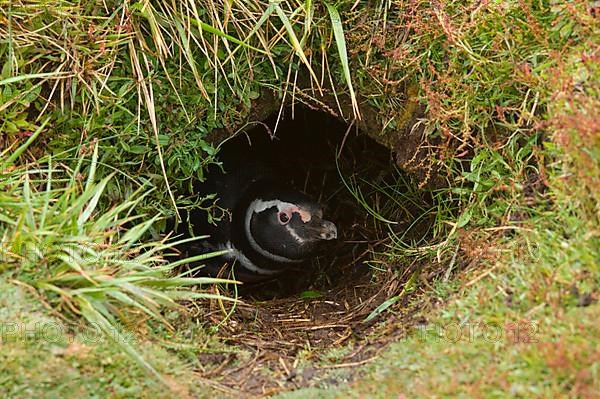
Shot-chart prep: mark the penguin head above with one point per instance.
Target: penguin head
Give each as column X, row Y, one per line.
column 286, row 226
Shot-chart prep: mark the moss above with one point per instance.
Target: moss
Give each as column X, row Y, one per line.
column 44, row 357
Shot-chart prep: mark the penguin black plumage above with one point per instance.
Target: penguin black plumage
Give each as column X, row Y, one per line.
column 267, row 227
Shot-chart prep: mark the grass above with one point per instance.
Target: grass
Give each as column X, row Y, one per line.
column 520, row 324
column 45, row 356
column 84, row 262
column 107, row 114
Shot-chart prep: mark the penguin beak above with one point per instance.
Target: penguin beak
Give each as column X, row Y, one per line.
column 328, row 231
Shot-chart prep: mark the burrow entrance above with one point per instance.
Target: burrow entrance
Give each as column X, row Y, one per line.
column 322, row 307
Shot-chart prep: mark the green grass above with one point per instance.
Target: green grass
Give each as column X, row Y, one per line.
column 44, row 356
column 481, row 359
column 108, row 114
column 84, row 261
column 522, row 322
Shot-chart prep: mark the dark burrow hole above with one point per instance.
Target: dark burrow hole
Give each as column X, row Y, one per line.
column 326, row 159
column 323, row 305
column 339, row 167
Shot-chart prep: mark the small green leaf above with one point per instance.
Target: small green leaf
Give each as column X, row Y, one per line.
column 381, row 308
column 163, row 139
column 138, row 149
column 464, row 218
column 310, row 294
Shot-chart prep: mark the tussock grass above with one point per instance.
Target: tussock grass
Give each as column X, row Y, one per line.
column 510, row 91
column 96, row 85
column 150, row 80
column 82, row 261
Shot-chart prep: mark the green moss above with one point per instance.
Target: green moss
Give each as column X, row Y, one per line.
column 522, row 330
column 45, row 358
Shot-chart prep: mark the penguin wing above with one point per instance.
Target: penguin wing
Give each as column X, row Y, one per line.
column 231, row 187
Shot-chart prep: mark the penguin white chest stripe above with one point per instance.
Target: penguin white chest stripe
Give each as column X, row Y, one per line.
column 258, row 206
column 236, row 254
column 294, row 234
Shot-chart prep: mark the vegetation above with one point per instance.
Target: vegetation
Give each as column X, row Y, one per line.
column 109, row 111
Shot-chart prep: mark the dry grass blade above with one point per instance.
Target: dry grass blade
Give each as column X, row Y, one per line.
column 338, row 33
column 296, row 44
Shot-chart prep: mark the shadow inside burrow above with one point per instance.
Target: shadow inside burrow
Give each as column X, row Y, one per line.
column 351, row 175
column 322, row 305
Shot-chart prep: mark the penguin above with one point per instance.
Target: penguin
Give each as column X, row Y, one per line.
column 266, row 226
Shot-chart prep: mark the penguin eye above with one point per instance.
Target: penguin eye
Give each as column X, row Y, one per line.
column 284, row 217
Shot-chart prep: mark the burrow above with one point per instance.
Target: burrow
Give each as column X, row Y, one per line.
column 333, row 303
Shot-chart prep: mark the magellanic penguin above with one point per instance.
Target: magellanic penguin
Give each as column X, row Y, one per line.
column 267, row 226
